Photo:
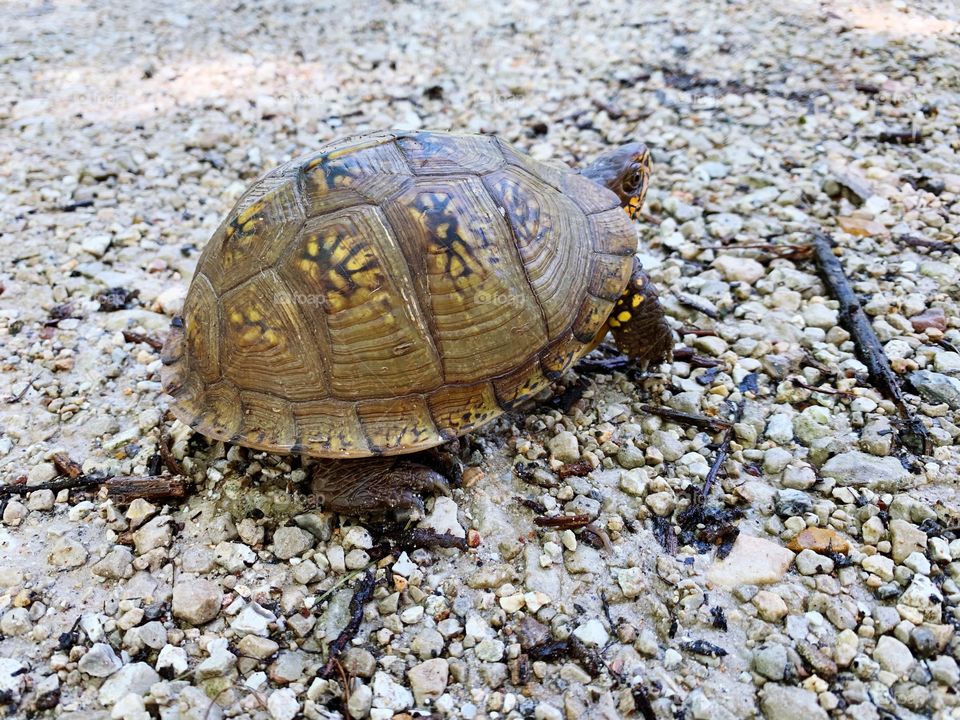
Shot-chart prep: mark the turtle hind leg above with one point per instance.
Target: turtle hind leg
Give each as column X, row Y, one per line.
column 375, row 486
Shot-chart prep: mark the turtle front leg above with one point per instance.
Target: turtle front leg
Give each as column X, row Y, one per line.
column 375, row 485
column 638, row 323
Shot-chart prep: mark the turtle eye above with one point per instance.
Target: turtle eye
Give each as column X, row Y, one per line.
column 633, row 181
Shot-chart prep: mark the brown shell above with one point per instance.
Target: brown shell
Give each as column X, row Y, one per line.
column 392, row 291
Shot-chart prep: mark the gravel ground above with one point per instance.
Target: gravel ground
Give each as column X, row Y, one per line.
column 130, row 129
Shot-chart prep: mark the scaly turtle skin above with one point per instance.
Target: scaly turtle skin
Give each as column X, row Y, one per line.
column 395, row 290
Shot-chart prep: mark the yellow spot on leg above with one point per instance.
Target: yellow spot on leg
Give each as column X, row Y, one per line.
column 614, row 322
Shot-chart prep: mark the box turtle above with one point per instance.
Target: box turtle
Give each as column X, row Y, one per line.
column 394, row 290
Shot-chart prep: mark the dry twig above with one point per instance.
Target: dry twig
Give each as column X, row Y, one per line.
column 854, row 319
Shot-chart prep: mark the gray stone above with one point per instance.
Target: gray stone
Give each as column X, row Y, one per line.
column 944, row 670
column 361, row 698
column 564, row 447
column 789, row 503
column 771, row 661
column 786, row 702
column 288, row 667
column 937, row 387
column 360, row 662
column 427, row 644
column 809, row 562
column 196, row 600
column 905, row 538
column 115, row 565
column 724, row 226
column 859, row 468
column 319, row 524
column 100, row 661
column 290, row 542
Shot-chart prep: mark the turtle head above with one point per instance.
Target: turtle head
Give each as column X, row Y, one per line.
column 625, row 171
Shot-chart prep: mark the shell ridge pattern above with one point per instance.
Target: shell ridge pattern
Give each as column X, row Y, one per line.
column 411, row 298
column 515, row 247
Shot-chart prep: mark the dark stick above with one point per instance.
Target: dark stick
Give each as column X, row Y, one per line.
column 900, row 137
column 938, row 245
column 854, row 319
column 724, row 450
column 136, row 337
column 55, row 485
column 167, row 456
column 125, row 488
column 685, row 418
column 825, row 391
column 562, row 521
column 361, row 596
column 424, row 538
column 687, row 354
column 122, row 487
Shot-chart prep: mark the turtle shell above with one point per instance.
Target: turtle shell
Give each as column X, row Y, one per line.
column 392, row 291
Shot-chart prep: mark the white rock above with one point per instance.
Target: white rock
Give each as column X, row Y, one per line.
column 219, row 662
column 592, row 632
column 780, row 428
column 632, row 582
column 739, row 269
column 361, row 697
column 404, row 566
column 443, row 518
column 357, row 536
column 428, row 680
column 130, row 707
column 291, row 541
column 490, row 650
column 819, row 315
column 173, row 657
column 879, row 565
column 96, row 245
column 67, row 553
column 12, row 678
column 752, row 561
column 389, row 694
column 133, row 678
column 100, row 661
column 283, row 704
column 196, row 600
column 254, row 619
column 893, row 655
column 724, row 225
column 564, row 447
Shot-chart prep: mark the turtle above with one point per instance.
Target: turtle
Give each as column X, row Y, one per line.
column 368, row 302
